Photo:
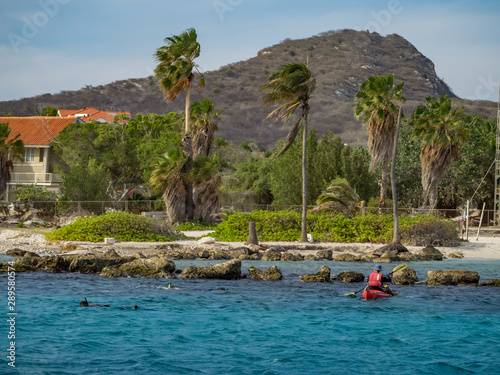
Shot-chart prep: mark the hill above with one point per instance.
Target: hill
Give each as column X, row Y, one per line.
column 340, row 61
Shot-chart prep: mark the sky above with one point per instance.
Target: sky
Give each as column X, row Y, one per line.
column 49, row 46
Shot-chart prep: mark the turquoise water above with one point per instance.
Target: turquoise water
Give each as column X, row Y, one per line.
column 253, row 327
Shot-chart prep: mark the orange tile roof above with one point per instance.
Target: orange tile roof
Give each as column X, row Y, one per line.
column 37, row 131
column 93, row 114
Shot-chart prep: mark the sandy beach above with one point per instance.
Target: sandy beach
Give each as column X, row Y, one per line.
column 485, row 247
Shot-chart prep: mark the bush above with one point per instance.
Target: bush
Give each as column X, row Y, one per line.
column 286, row 226
column 122, row 226
column 429, row 230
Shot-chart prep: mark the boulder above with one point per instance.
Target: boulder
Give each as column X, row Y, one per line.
column 456, row 255
column 16, row 252
column 407, row 276
column 311, row 257
column 452, row 277
column 111, row 253
column 291, row 257
column 272, row 254
column 493, row 282
column 346, row 258
column 408, row 257
column 429, row 253
column 324, row 254
column 227, row 271
column 155, row 266
column 271, row 274
column 322, row 276
column 391, row 254
column 95, row 263
column 55, row 264
column 350, row 277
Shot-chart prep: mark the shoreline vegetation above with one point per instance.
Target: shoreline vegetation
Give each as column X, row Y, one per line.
column 128, row 245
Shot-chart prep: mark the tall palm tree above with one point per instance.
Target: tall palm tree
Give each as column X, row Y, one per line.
column 176, row 68
column 176, row 71
column 375, row 101
column 9, row 150
column 292, row 86
column 204, row 118
column 441, row 131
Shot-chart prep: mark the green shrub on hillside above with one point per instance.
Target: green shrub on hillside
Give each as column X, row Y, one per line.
column 122, row 226
column 285, row 226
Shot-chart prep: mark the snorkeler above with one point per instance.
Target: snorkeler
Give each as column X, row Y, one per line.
column 86, row 304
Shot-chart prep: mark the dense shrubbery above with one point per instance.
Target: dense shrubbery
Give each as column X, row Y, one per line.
column 285, row 226
column 122, row 226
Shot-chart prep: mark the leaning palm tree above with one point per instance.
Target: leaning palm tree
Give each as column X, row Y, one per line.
column 9, row 150
column 339, row 197
column 176, row 71
column 204, row 118
column 375, row 101
column 441, row 131
column 291, row 86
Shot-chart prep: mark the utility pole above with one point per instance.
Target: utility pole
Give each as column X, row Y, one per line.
column 496, row 208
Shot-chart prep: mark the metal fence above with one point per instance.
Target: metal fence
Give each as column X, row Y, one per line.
column 66, row 208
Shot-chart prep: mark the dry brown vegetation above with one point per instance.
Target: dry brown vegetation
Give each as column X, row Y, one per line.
column 340, row 61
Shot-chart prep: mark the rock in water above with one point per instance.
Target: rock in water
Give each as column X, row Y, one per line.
column 452, row 277
column 322, row 276
column 227, row 271
column 271, row 274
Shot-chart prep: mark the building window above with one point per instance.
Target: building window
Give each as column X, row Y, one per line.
column 42, row 152
column 29, row 155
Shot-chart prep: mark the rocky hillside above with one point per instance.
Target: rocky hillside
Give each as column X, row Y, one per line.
column 340, row 61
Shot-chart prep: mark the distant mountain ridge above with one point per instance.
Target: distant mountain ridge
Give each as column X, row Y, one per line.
column 340, row 61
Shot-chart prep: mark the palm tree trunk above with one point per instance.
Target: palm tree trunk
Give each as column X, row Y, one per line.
column 303, row 237
column 383, row 186
column 187, row 149
column 188, row 107
column 396, row 240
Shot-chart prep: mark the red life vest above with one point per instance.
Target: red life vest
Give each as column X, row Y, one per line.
column 375, row 279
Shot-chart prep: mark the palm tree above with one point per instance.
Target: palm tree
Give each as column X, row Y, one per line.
column 176, row 71
column 291, row 86
column 204, row 118
column 375, row 102
column 440, row 129
column 9, row 150
column 206, row 174
column 169, row 176
column 339, row 196
column 176, row 68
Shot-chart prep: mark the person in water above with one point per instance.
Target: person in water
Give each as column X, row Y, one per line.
column 86, row 304
column 376, row 281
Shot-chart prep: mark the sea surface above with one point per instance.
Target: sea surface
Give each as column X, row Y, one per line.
column 252, row 327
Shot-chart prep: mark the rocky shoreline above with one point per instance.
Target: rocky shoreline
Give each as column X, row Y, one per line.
column 157, row 260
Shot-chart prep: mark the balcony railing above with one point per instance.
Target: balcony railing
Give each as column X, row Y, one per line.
column 32, row 178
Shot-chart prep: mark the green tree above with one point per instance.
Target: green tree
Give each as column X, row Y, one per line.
column 48, row 111
column 92, row 187
column 291, row 86
column 472, row 174
column 10, row 149
column 441, row 130
column 375, row 101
